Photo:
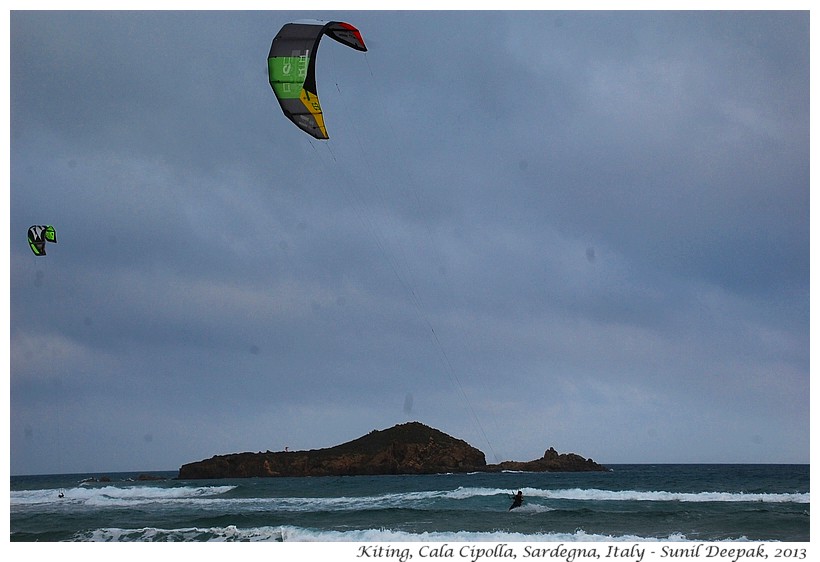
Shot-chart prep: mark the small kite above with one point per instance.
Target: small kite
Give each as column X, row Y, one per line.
column 292, row 67
column 38, row 236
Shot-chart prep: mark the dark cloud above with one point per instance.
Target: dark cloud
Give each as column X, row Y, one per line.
column 587, row 230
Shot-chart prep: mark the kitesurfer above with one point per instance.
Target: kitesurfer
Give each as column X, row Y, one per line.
column 518, row 499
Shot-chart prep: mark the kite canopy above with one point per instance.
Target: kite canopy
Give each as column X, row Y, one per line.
column 38, row 236
column 292, row 67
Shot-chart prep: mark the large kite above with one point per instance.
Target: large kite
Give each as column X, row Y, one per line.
column 292, row 67
column 38, row 236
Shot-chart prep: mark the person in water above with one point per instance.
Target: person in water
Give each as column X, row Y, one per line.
column 518, row 499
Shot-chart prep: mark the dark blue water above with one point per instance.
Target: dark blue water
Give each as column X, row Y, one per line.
column 630, row 503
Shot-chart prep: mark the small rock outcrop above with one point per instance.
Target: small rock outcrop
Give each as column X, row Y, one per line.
column 552, row 461
column 149, row 477
column 410, row 448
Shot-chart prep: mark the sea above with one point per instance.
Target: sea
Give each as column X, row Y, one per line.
column 679, row 505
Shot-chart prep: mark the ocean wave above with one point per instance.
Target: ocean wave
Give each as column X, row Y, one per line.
column 217, row 496
column 232, row 533
column 594, row 494
column 116, row 495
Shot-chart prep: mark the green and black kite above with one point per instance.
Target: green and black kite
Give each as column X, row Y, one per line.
column 292, row 68
column 38, row 236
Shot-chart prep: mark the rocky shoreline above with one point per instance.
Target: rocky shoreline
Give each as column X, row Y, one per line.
column 410, row 448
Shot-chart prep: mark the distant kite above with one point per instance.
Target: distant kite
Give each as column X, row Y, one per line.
column 38, row 236
column 292, row 67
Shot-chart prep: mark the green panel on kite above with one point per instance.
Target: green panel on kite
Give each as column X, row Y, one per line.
column 287, row 75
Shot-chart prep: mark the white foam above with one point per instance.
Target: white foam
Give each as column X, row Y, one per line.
column 661, row 496
column 214, row 496
column 297, row 534
column 116, row 495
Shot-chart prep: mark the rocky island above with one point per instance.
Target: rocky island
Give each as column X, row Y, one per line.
column 410, row 448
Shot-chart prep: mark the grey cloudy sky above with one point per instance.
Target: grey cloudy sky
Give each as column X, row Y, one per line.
column 583, row 230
